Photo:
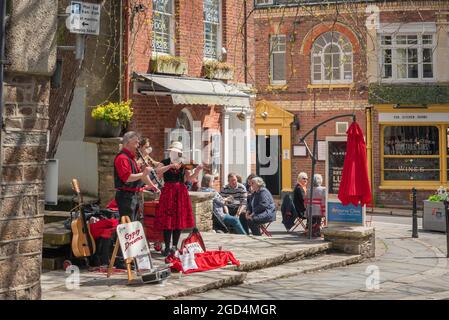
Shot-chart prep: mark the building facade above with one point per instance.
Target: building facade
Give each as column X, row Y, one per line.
column 408, row 72
column 190, row 75
column 310, row 66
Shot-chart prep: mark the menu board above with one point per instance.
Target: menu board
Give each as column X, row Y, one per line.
column 336, row 158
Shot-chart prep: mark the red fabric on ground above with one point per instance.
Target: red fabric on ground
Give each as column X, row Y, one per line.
column 104, row 228
column 208, row 260
column 112, row 205
column 194, row 236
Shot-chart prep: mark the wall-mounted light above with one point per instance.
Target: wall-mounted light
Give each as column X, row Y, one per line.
column 264, row 115
column 296, row 122
column 139, row 8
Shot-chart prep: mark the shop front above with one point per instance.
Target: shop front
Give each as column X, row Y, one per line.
column 412, row 151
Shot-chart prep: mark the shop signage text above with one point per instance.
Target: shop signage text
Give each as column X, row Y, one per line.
column 413, row 117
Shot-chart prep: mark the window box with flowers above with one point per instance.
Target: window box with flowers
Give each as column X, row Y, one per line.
column 434, row 216
column 214, row 69
column 167, row 64
column 111, row 118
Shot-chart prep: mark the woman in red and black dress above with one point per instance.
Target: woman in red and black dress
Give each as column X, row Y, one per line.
column 174, row 212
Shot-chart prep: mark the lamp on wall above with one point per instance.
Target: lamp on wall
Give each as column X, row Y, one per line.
column 264, row 115
column 296, row 122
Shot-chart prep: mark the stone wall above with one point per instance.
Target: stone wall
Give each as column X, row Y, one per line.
column 107, row 150
column 30, row 50
column 352, row 240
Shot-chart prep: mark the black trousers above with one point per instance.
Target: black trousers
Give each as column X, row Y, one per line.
column 128, row 205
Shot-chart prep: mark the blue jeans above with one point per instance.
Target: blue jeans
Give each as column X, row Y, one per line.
column 234, row 224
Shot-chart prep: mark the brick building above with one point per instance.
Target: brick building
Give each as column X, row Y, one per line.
column 408, row 72
column 190, row 73
column 31, row 55
column 397, row 53
column 310, row 66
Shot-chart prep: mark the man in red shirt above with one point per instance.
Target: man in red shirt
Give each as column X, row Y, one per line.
column 128, row 180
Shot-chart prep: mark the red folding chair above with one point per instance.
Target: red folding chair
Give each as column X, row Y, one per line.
column 264, row 229
column 298, row 222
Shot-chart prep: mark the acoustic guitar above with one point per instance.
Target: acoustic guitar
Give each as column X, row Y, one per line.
column 83, row 244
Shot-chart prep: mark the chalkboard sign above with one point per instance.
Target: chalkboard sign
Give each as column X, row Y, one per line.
column 336, row 159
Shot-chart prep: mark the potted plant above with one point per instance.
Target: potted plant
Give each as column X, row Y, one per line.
column 111, row 117
column 168, row 64
column 214, row 69
column 434, row 217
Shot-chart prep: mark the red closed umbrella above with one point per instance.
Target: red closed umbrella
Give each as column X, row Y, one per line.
column 355, row 186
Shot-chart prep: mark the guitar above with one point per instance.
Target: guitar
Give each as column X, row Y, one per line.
column 83, row 244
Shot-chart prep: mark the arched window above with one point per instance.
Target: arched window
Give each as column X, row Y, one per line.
column 332, row 59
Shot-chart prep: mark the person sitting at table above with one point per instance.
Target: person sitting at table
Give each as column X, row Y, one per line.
column 261, row 208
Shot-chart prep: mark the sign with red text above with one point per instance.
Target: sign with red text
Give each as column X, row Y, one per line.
column 132, row 240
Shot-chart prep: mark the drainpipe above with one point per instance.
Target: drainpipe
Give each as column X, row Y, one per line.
column 125, row 51
column 245, row 41
column 2, row 54
column 369, row 149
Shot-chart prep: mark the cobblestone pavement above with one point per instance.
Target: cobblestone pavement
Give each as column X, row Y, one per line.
column 407, row 268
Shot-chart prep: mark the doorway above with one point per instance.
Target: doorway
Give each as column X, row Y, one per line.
column 266, row 151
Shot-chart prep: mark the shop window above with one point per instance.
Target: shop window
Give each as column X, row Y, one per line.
column 407, row 57
column 411, row 153
column 212, row 29
column 163, row 27
column 331, row 59
column 277, row 59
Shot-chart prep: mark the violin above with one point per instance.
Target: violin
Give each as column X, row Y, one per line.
column 153, row 175
column 189, row 166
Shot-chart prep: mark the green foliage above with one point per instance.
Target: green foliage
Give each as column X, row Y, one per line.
column 440, row 195
column 408, row 94
column 114, row 112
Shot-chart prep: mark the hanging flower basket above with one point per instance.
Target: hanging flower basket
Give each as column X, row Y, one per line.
column 111, row 117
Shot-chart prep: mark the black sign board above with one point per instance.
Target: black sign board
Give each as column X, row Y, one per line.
column 336, row 158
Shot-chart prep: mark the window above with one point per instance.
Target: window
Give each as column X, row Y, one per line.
column 263, row 2
column 411, row 153
column 277, row 59
column 212, row 29
column 163, row 26
column 332, row 59
column 407, row 56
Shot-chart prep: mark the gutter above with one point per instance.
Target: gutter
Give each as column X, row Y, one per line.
column 2, row 54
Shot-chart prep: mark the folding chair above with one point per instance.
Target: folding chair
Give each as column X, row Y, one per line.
column 264, row 229
column 299, row 222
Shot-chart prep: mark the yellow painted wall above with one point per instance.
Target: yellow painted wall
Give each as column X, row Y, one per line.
column 280, row 120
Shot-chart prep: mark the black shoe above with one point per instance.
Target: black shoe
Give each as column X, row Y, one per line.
column 166, row 252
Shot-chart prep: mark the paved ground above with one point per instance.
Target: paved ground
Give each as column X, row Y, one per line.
column 252, row 252
column 407, row 268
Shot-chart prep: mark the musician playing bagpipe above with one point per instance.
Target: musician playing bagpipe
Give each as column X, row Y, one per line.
column 128, row 177
column 174, row 212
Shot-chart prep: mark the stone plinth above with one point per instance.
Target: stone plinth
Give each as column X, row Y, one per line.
column 353, row 240
column 201, row 207
column 107, row 150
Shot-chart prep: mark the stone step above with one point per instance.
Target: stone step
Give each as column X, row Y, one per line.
column 55, row 216
column 267, row 261
column 55, row 235
column 312, row 264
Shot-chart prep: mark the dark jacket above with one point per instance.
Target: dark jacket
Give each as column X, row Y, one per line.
column 288, row 211
column 298, row 200
column 261, row 203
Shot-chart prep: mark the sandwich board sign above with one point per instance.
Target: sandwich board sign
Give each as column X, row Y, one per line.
column 84, row 18
column 134, row 244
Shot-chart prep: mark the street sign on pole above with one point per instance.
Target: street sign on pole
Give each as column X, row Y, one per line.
column 84, row 18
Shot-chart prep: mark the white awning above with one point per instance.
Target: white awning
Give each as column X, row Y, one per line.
column 193, row 90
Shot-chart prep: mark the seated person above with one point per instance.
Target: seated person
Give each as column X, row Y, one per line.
column 220, row 210
column 261, row 208
column 288, row 211
column 236, row 194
